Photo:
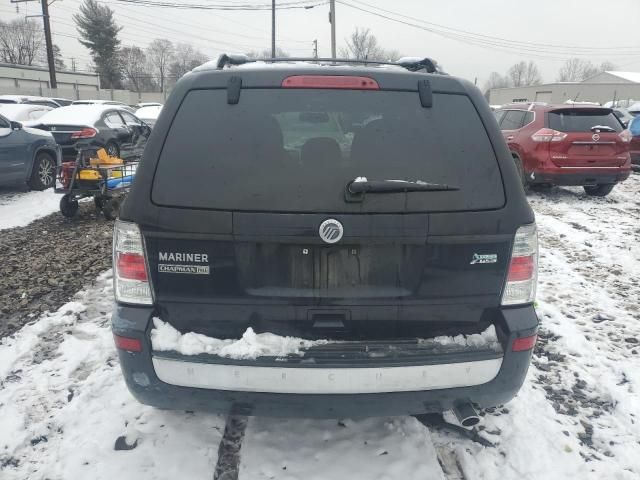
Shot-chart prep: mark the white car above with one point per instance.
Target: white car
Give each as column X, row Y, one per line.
column 149, row 114
column 34, row 100
column 23, row 112
column 148, row 104
column 104, row 102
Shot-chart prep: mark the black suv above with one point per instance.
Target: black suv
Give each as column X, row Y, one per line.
column 324, row 201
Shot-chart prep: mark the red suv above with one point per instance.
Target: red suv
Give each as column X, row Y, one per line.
column 567, row 145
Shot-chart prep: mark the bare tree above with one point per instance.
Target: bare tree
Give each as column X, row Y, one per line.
column 21, row 41
column 266, row 53
column 532, row 74
column 186, row 58
column 496, row 80
column 160, row 54
column 577, row 70
column 363, row 45
column 607, row 66
column 136, row 69
column 57, row 58
column 516, row 74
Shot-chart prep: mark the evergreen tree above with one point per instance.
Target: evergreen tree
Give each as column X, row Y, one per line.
column 99, row 33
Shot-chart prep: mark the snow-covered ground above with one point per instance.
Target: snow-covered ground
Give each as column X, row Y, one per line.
column 18, row 209
column 63, row 404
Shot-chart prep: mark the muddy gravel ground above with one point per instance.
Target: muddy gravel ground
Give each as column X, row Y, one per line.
column 45, row 263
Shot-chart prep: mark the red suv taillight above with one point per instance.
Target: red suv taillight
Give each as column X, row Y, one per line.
column 131, row 282
column 548, row 135
column 626, row 136
column 85, row 133
column 522, row 277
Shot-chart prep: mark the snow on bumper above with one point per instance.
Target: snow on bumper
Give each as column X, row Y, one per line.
column 320, row 380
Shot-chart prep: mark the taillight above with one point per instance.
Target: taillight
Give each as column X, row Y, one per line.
column 522, row 277
column 127, row 343
column 330, row 81
column 85, row 133
column 131, row 283
column 626, row 136
column 548, row 135
column 524, row 343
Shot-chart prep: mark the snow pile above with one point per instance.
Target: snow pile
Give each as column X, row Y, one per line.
column 251, row 346
column 64, row 405
column 20, row 209
column 485, row 339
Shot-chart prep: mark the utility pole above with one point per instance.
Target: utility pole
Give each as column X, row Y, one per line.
column 273, row 28
column 47, row 37
column 332, row 19
column 73, row 64
column 315, row 48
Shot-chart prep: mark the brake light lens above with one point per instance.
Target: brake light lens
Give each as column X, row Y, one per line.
column 131, row 282
column 330, row 81
column 523, row 344
column 548, row 135
column 626, row 136
column 127, row 343
column 85, row 133
column 522, row 277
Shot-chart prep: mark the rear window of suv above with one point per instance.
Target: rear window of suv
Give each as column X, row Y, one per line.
column 583, row 120
column 285, row 150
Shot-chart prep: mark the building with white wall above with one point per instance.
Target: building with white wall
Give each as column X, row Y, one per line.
column 601, row 88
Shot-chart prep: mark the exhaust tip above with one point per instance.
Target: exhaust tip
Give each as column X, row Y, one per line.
column 466, row 414
column 470, row 421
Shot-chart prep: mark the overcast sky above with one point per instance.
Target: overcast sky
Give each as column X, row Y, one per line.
column 594, row 29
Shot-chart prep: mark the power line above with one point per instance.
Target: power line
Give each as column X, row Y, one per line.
column 493, row 43
column 494, row 38
column 302, row 4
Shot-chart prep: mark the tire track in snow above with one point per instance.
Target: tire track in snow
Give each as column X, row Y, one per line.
column 228, row 464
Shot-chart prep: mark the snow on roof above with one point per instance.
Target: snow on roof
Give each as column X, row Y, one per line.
column 629, row 76
column 21, row 98
column 19, row 111
column 76, row 114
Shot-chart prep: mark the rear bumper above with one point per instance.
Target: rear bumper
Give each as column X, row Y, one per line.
column 326, row 391
column 579, row 176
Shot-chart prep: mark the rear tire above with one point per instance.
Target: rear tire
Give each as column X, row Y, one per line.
column 600, row 190
column 111, row 208
column 68, row 206
column 43, row 174
column 521, row 173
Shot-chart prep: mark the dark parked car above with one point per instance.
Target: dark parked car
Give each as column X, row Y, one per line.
column 337, row 203
column 575, row 144
column 27, row 156
column 634, row 146
column 120, row 132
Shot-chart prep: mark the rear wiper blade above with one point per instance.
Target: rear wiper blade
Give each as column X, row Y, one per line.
column 602, row 128
column 395, row 186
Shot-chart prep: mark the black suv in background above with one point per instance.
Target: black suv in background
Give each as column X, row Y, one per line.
column 345, row 206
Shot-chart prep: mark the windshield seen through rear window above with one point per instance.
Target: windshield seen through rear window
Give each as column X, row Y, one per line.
column 296, row 150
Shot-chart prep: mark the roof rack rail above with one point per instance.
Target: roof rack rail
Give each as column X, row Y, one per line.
column 413, row 64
